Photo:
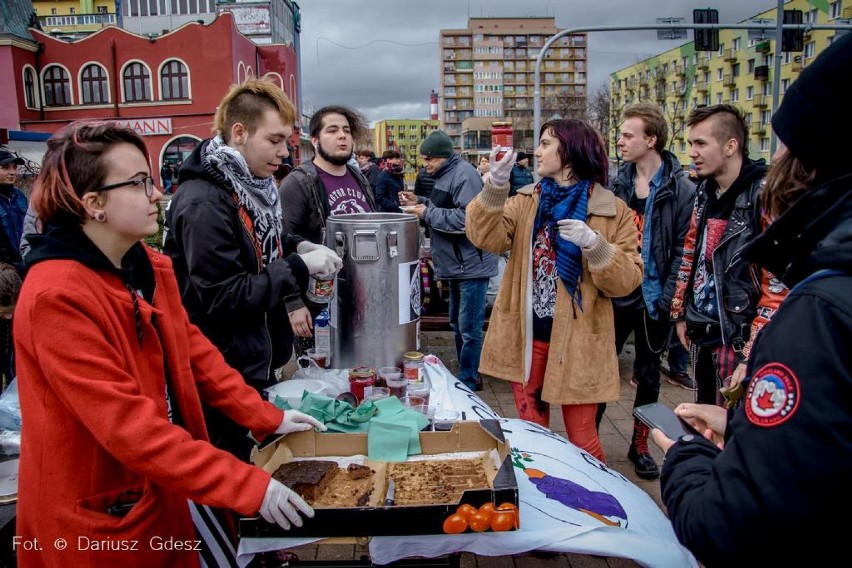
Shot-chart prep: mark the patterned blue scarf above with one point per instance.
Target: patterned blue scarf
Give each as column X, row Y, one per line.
column 555, row 203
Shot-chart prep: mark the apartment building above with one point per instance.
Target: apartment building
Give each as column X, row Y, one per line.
column 74, row 17
column 488, row 71
column 404, row 136
column 739, row 73
column 264, row 21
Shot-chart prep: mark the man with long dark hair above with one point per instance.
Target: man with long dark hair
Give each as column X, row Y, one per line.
column 327, row 185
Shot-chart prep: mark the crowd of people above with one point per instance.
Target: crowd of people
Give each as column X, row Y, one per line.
column 146, row 368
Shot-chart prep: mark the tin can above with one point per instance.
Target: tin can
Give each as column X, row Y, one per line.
column 320, row 290
column 359, row 379
column 502, row 135
column 413, row 366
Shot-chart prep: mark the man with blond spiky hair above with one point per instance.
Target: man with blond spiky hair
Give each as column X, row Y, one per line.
column 241, row 275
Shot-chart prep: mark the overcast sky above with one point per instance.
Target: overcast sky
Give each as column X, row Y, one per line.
column 382, row 56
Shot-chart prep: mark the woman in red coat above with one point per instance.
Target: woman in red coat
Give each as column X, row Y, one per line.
column 112, row 375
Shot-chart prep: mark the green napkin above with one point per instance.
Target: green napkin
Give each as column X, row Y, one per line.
column 390, row 441
column 395, row 431
column 337, row 415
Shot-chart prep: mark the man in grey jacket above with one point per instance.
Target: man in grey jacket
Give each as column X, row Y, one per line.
column 466, row 268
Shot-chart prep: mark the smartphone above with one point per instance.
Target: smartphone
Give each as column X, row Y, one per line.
column 659, row 416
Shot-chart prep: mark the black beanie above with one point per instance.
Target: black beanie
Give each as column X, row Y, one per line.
column 814, row 114
column 437, row 145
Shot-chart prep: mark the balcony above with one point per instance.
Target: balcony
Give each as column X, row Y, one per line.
column 759, row 101
column 730, row 55
column 701, row 86
column 77, row 21
column 728, row 80
column 758, row 127
column 703, row 63
column 762, row 46
column 761, row 72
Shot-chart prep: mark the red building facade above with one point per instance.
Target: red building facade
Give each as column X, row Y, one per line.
column 165, row 87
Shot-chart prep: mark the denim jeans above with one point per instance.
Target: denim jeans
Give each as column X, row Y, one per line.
column 467, row 316
column 678, row 358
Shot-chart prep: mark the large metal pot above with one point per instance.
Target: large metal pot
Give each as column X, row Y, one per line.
column 375, row 312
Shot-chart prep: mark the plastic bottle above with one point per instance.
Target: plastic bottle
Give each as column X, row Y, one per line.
column 322, row 334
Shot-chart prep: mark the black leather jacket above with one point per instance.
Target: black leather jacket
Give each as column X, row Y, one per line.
column 738, row 282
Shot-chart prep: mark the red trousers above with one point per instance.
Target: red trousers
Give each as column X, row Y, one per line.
column 579, row 418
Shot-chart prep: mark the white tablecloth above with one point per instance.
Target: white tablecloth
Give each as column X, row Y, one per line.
column 569, row 501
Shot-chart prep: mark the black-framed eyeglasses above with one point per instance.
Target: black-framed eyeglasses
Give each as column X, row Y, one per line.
column 146, row 182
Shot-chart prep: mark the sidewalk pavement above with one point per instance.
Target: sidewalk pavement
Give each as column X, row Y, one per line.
column 616, row 432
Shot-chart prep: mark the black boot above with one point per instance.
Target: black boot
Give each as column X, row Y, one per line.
column 644, row 465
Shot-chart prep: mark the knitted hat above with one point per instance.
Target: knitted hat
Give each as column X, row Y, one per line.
column 814, row 114
column 437, row 145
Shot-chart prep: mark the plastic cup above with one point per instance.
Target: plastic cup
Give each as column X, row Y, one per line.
column 444, row 419
column 318, row 355
column 413, row 401
column 376, row 393
column 384, row 372
column 398, row 385
column 421, row 389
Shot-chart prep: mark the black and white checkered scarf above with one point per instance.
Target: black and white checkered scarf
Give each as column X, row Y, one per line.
column 259, row 196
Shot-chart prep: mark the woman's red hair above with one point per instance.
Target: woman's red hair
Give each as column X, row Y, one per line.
column 73, row 166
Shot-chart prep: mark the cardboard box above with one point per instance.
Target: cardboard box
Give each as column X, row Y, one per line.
column 467, row 436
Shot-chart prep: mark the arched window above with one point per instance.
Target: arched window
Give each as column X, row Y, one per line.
column 57, row 86
column 30, row 88
column 137, row 83
column 175, row 81
column 94, row 85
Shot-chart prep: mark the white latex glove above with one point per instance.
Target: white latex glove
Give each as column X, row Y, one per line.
column 501, row 169
column 306, row 246
column 322, row 262
column 280, row 504
column 295, row 421
column 577, row 232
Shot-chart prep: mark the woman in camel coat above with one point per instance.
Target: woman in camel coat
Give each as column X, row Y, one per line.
column 572, row 247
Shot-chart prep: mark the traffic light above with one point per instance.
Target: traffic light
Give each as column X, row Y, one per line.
column 706, row 40
column 792, row 40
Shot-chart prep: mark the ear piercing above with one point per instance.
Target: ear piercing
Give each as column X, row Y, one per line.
column 100, row 216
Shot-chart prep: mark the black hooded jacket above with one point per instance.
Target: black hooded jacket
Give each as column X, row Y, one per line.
column 237, row 303
column 788, row 454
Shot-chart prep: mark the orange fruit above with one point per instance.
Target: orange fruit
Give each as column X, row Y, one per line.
column 466, row 510
column 479, row 522
column 503, row 521
column 455, row 524
column 487, row 507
